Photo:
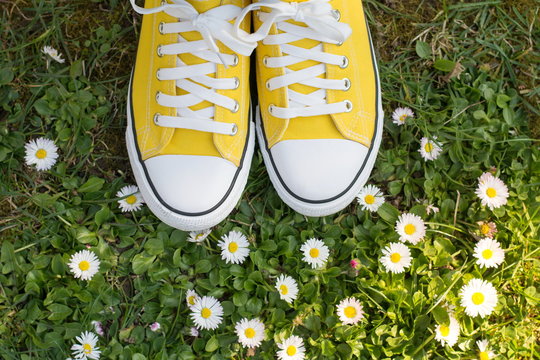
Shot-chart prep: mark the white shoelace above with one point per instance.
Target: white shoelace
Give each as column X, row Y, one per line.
column 322, row 25
column 212, row 25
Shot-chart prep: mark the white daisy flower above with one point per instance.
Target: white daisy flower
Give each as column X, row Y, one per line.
column 489, row 253
column 250, row 332
column 430, row 208
column 41, row 152
column 155, row 326
column 234, row 247
column 207, row 313
column 315, row 253
column 429, row 149
column 370, row 198
column 192, row 298
column 86, row 349
column 396, row 258
column 411, row 228
column 485, row 353
column 350, row 311
column 132, row 198
column 198, row 236
column 291, row 348
column 84, row 264
column 287, row 287
column 488, row 229
column 53, row 53
column 448, row 334
column 492, row 191
column 98, row 327
column 193, row 331
column 400, row 115
column 478, row 297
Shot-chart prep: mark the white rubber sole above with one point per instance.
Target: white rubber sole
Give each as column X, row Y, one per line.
column 174, row 219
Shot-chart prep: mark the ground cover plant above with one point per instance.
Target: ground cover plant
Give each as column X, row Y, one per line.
column 469, row 73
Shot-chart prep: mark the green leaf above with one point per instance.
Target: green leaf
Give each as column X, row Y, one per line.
column 444, row 65
column 441, row 315
column 268, row 245
column 388, row 213
column 6, row 76
column 102, row 215
column 154, row 246
column 203, row 266
column 93, row 184
column 141, row 263
column 59, row 311
column 423, row 49
column 212, row 344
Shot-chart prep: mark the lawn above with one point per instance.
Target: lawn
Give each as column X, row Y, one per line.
column 468, row 70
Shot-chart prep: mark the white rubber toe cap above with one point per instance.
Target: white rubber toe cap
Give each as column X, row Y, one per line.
column 190, row 183
column 318, row 169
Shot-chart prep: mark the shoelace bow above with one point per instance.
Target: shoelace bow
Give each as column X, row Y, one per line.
column 212, row 25
column 323, row 26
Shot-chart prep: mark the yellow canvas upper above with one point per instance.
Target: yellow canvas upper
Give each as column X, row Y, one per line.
column 357, row 125
column 154, row 140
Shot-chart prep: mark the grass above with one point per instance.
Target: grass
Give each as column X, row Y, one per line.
column 468, row 70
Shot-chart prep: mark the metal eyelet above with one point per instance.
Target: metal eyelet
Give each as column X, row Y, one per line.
column 339, row 43
column 337, row 14
column 235, row 60
column 268, row 85
column 156, row 118
column 344, row 63
column 236, row 107
column 160, row 28
column 157, row 74
column 265, row 61
column 234, row 130
column 348, row 105
column 271, row 109
column 158, row 93
column 159, row 53
column 236, row 83
column 347, row 84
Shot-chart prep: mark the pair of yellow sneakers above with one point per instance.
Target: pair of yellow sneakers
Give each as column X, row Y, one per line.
column 191, row 134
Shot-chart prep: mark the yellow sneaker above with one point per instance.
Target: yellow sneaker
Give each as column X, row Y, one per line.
column 319, row 99
column 190, row 136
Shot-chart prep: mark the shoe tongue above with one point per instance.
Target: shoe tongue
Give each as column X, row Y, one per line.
column 204, row 5
column 299, row 1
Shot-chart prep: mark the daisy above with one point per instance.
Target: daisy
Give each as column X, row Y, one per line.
column 86, row 349
column 53, row 53
column 350, row 311
column 431, row 209
column 98, row 327
column 287, row 287
column 250, row 332
column 448, row 334
column 131, row 198
column 485, row 353
column 234, row 247
column 400, row 115
column 198, row 236
column 207, row 313
column 396, row 258
column 489, row 253
column 492, row 191
column 291, row 348
column 410, row 228
column 355, row 264
column 315, row 253
column 429, row 149
column 155, row 326
column 370, row 198
column 191, row 298
column 479, row 297
column 84, row 264
column 41, row 152
column 193, row 331
column 487, row 229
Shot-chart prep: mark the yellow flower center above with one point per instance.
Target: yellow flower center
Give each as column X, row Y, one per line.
column 478, row 298
column 428, row 147
column 191, row 300
column 445, row 330
column 233, row 247
column 250, row 333
column 395, row 257
column 41, row 154
column 491, row 192
column 206, row 313
column 403, row 117
column 484, row 355
column 284, row 290
column 314, row 253
column 410, row 229
column 369, row 199
column 84, row 265
column 484, row 229
column 291, row 350
column 198, row 236
column 350, row 312
column 487, row 254
column 131, row 199
column 87, row 348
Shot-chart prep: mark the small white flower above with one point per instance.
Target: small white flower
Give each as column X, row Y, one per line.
column 250, row 332
column 287, row 287
column 492, row 191
column 478, row 297
column 84, row 264
column 489, row 253
column 448, row 334
column 191, row 298
column 400, row 115
column 315, row 253
column 484, row 352
column 411, row 228
column 86, row 349
column 132, row 198
column 155, row 326
column 396, row 258
column 98, row 327
column 53, row 53
column 193, row 331
column 41, row 152
column 291, row 348
column 234, row 247
column 430, row 208
column 370, row 198
column 429, row 149
column 350, row 311
column 198, row 236
column 207, row 313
